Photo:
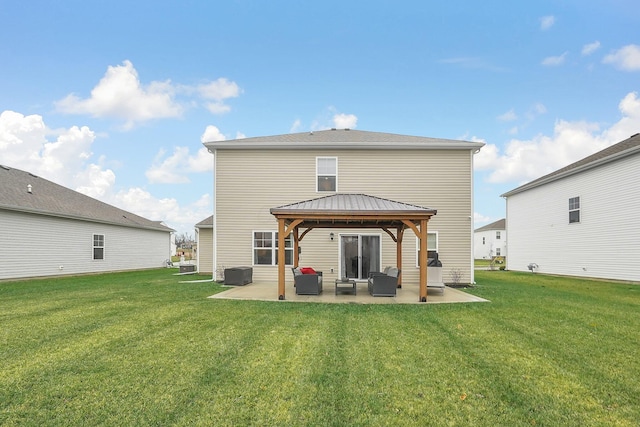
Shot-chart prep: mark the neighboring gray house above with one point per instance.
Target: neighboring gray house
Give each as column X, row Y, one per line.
column 47, row 229
column 490, row 240
column 204, row 241
column 254, row 175
column 581, row 220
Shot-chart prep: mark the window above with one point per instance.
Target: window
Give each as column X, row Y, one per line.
column 265, row 248
column 497, row 251
column 432, row 246
column 327, row 173
column 497, row 235
column 483, row 239
column 98, row 246
column 574, row 210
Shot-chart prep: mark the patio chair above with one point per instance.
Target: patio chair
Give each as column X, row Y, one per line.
column 307, row 284
column 384, row 285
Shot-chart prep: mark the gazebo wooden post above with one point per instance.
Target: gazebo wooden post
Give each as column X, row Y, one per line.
column 296, row 248
column 399, row 236
column 423, row 260
column 281, row 258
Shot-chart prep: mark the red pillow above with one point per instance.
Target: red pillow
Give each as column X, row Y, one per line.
column 307, row 270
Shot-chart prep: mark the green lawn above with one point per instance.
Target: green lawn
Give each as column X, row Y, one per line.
column 142, row 349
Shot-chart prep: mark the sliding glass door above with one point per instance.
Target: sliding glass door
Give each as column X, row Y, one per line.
column 359, row 254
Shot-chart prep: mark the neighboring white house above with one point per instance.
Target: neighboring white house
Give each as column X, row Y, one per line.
column 204, row 241
column 581, row 220
column 254, row 175
column 490, row 240
column 47, row 230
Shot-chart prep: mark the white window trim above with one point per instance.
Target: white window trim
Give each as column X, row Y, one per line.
column 274, row 260
column 317, row 175
column 575, row 210
column 103, row 247
column 418, row 246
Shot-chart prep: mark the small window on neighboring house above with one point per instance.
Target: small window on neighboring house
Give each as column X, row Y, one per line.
column 497, row 235
column 265, row 248
column 98, row 246
column 327, row 173
column 483, row 239
column 574, row 210
column 497, row 251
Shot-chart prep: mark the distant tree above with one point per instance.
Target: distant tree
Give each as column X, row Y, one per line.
column 184, row 240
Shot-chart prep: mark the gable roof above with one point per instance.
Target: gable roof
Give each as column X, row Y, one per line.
column 498, row 225
column 48, row 198
column 344, row 139
column 206, row 223
column 615, row 152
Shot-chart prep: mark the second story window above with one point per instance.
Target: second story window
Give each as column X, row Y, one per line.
column 497, row 235
column 574, row 210
column 327, row 173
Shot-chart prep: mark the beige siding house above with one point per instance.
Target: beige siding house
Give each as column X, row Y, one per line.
column 204, row 240
column 253, row 175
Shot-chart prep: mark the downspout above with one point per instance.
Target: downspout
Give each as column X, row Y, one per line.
column 473, row 195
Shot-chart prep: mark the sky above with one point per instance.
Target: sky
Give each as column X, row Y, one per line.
column 114, row 98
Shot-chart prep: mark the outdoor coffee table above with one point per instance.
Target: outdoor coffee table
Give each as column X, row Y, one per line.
column 345, row 285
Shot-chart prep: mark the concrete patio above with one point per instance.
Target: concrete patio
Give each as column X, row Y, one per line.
column 408, row 294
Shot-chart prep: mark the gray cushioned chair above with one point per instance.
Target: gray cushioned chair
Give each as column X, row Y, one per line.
column 307, row 284
column 384, row 285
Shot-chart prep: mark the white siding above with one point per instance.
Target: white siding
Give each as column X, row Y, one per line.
column 491, row 244
column 606, row 241
column 250, row 182
column 37, row 245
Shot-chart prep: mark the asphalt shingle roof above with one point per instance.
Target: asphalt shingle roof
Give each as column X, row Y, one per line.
column 622, row 149
column 498, row 225
column 344, row 138
column 205, row 223
column 49, row 198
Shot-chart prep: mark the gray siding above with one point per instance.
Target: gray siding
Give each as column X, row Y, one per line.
column 605, row 244
column 250, row 182
column 36, row 245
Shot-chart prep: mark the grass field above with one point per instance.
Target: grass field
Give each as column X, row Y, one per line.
column 142, row 349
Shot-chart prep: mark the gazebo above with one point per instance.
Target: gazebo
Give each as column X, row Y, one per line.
column 352, row 211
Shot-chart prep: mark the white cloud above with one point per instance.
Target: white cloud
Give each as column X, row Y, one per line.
column 552, row 61
column 25, row 144
column 212, row 133
column 180, row 217
column 219, row 89
column 509, row 116
column 626, row 58
column 588, row 49
column 296, row 126
column 547, row 22
column 345, row 121
column 176, row 168
column 120, row 95
column 479, row 219
column 525, row 160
